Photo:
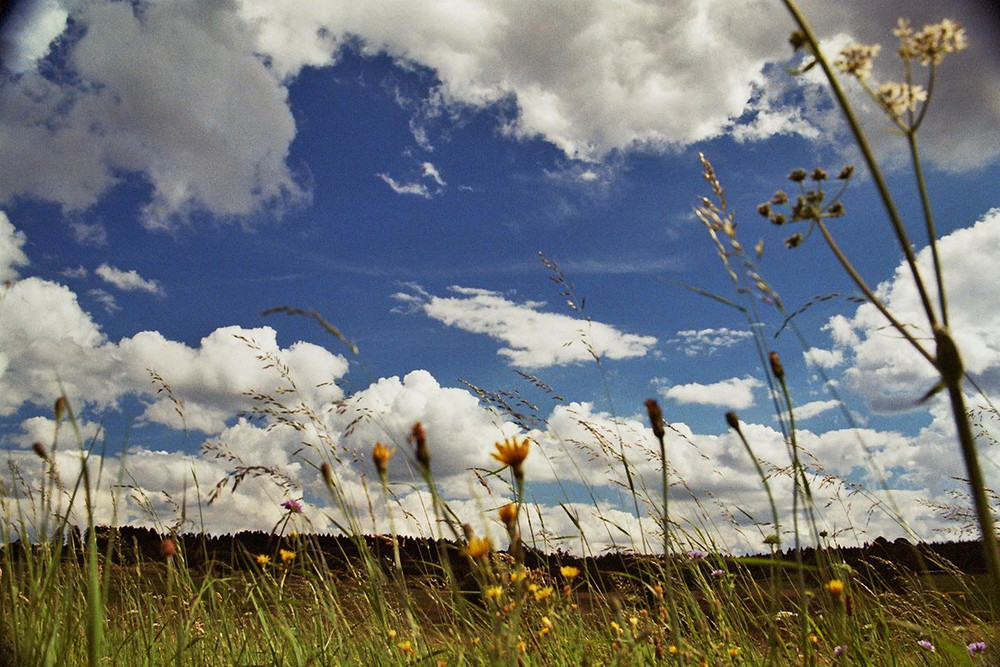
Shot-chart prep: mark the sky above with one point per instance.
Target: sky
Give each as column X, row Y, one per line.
column 487, row 200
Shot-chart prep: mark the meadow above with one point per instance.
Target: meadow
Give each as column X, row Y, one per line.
column 94, row 595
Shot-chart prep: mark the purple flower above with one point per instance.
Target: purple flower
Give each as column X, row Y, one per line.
column 293, row 506
column 839, row 651
column 977, row 647
column 924, row 644
column 695, row 554
column 718, row 573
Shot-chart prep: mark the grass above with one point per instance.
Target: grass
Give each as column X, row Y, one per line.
column 67, row 600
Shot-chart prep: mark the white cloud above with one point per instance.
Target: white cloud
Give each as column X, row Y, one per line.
column 418, row 189
column 11, row 252
column 708, row 341
column 128, row 281
column 533, row 339
column 814, row 408
column 194, row 97
column 433, row 183
column 815, row 356
column 883, row 368
column 736, row 393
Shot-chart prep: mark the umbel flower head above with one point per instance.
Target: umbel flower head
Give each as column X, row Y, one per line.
column 512, row 452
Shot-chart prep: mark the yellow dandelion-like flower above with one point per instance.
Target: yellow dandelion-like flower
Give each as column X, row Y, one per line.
column 542, row 593
column 733, row 652
column 672, row 650
column 569, row 571
column 263, row 559
column 406, row 647
column 494, row 592
column 479, row 547
column 519, row 575
column 617, row 628
column 835, row 586
column 522, row 647
column 380, row 457
column 508, row 515
column 512, row 452
column 286, row 555
column 547, row 626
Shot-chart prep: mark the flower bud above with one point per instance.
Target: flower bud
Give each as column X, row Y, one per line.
column 776, row 368
column 655, row 418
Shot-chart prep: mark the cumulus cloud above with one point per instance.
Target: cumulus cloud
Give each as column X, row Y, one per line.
column 736, row 393
column 175, row 91
column 194, row 97
column 882, row 366
column 128, row 281
column 815, row 356
column 11, row 249
column 533, row 339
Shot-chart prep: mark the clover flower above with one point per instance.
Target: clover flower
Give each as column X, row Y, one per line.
column 926, row 645
column 977, row 647
column 839, row 651
column 697, row 554
column 293, row 506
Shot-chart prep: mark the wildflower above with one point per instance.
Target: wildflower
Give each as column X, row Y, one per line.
column 407, row 647
column 780, row 198
column 733, row 652
column 977, row 647
column 839, row 651
column 263, row 559
column 518, row 575
column 718, row 573
column 697, row 554
column 39, row 449
column 479, row 547
column 938, row 39
column 293, row 506
column 168, row 547
column 772, row 539
column 672, row 650
column 380, row 456
column 897, row 98
column 835, row 586
column 797, row 175
column 926, row 645
column 569, row 571
column 543, row 593
column 779, row 372
column 512, row 452
column 494, row 592
column 286, row 555
column 764, row 209
column 508, row 515
column 794, row 241
column 521, row 647
column 818, row 174
column 547, row 626
column 60, row 408
column 617, row 628
column 856, row 59
column 419, row 438
column 846, row 173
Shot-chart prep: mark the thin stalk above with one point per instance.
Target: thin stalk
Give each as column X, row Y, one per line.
column 873, row 167
column 925, row 202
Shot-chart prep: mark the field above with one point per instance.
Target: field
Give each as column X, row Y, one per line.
column 73, row 592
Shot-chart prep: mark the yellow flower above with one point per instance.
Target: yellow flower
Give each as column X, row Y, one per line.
column 494, row 592
column 542, row 593
column 406, row 647
column 286, row 555
column 508, row 515
column 546, row 626
column 518, row 576
column 672, row 649
column 522, row 647
column 569, row 571
column 512, row 452
column 263, row 559
column 835, row 586
column 479, row 547
column 733, row 652
column 380, row 456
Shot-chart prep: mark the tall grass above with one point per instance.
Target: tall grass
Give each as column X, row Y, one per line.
column 66, row 600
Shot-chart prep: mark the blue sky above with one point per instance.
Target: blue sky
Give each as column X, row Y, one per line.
column 177, row 169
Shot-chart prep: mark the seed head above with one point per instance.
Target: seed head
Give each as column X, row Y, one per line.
column 419, row 438
column 60, row 408
column 655, row 418
column 797, row 175
column 776, row 368
column 168, row 547
column 733, row 421
column 846, row 172
column 39, row 449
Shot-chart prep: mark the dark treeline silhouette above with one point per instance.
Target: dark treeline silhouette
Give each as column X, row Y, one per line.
column 881, row 561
